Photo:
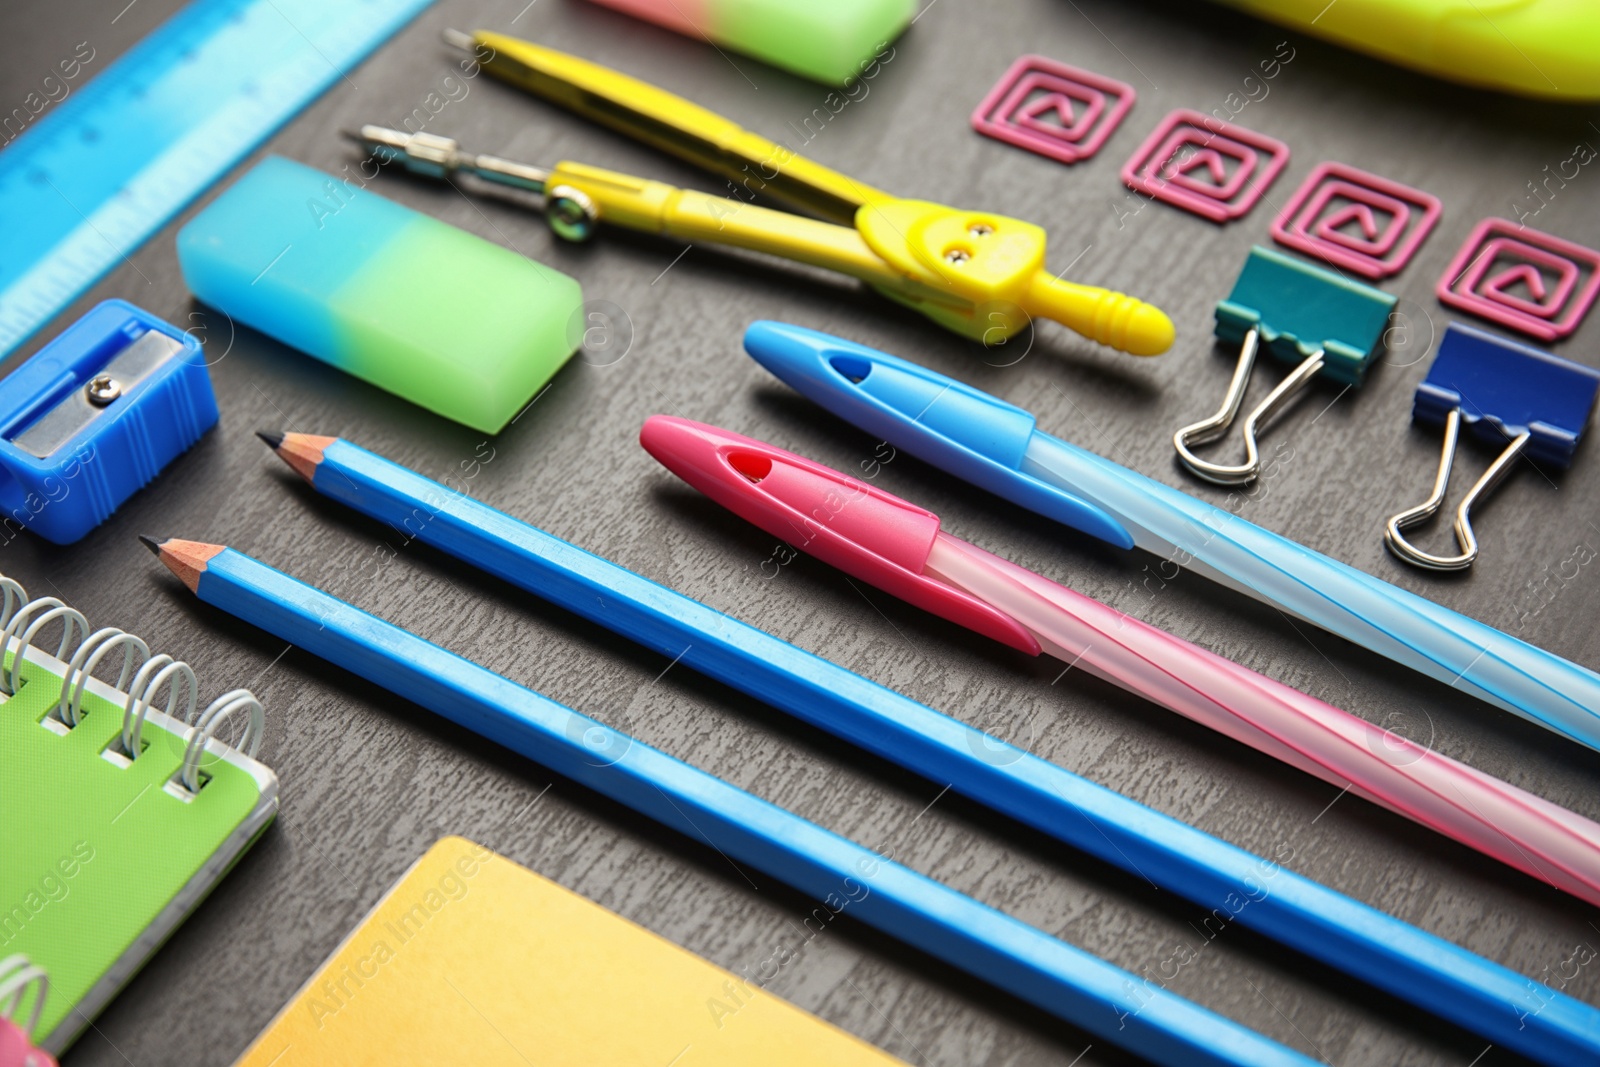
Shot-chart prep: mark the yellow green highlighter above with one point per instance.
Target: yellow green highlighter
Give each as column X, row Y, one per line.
column 978, row 273
column 1539, row 48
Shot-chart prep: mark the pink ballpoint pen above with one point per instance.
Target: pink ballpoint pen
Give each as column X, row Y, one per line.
column 899, row 547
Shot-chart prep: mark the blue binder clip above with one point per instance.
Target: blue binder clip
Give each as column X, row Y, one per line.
column 1535, row 403
column 94, row 415
column 1325, row 323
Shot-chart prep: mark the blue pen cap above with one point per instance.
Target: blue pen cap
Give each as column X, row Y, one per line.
column 1300, row 308
column 94, row 415
column 959, row 429
column 1505, row 388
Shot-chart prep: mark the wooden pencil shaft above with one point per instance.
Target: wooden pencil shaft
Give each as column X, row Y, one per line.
column 1407, row 962
column 1066, row 981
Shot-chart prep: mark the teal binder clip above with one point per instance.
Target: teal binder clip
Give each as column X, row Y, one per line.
column 1324, row 323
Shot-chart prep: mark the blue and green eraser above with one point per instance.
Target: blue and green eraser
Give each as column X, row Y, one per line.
column 429, row 312
column 833, row 42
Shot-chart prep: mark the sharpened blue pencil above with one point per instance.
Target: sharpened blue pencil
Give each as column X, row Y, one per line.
column 1066, row 981
column 1232, row 884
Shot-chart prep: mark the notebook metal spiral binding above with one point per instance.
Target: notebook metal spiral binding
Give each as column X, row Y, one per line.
column 17, row 976
column 22, row 620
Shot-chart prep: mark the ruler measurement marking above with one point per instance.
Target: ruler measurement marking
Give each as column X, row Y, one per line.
column 146, row 135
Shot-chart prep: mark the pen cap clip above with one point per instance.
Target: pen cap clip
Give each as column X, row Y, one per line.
column 1504, row 388
column 970, row 434
column 865, row 532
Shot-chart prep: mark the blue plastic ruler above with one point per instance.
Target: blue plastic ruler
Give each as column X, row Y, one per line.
column 91, row 179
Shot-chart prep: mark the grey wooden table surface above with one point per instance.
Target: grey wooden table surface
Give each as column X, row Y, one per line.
column 369, row 781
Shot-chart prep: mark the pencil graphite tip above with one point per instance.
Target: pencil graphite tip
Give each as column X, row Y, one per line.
column 302, row 451
column 186, row 559
column 273, row 440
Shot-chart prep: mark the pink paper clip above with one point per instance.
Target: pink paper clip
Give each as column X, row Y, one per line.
column 1522, row 278
column 1212, row 168
column 1392, row 220
column 1087, row 107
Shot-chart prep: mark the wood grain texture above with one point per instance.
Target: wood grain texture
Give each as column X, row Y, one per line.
column 369, row 781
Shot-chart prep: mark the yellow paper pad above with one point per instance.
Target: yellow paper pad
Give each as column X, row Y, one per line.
column 472, row 959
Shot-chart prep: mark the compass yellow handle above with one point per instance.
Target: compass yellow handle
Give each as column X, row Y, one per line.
column 989, row 274
column 1104, row 315
column 981, row 275
column 977, row 273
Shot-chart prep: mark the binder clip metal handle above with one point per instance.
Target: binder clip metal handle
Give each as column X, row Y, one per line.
column 1210, row 429
column 1465, row 539
column 1323, row 323
column 1503, row 391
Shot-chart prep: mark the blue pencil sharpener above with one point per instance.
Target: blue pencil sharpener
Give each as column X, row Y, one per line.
column 94, row 415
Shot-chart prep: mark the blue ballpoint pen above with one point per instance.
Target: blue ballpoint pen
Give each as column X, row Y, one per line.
column 996, row 446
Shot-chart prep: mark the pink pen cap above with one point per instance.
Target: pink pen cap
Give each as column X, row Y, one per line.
column 863, row 531
column 831, row 41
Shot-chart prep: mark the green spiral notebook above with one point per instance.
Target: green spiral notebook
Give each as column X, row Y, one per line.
column 103, row 855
